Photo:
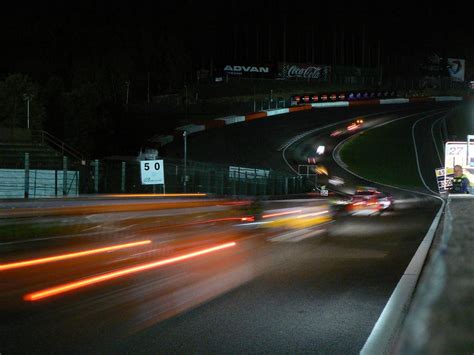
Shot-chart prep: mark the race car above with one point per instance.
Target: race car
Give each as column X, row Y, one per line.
column 337, row 132
column 369, row 202
column 351, row 127
column 355, row 125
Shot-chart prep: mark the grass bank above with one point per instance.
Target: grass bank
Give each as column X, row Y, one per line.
column 385, row 154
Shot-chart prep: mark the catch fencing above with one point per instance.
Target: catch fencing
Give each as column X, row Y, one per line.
column 33, row 179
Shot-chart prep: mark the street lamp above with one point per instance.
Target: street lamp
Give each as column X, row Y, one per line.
column 27, row 98
column 185, row 160
column 254, row 101
column 127, row 83
column 186, row 102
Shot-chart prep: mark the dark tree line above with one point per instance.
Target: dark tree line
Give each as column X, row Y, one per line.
column 81, row 62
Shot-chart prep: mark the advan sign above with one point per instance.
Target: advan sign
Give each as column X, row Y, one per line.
column 246, row 69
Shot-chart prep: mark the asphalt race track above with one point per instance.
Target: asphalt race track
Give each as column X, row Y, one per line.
column 321, row 294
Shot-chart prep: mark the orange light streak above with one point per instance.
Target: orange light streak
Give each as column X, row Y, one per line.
column 50, row 259
column 280, row 214
column 56, row 290
column 157, row 195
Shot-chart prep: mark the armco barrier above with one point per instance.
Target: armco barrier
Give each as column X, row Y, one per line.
column 228, row 120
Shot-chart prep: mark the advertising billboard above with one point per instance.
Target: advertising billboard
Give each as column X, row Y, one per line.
column 306, row 71
column 248, row 70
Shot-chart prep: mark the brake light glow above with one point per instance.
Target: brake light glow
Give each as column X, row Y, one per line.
column 56, row 290
column 50, row 259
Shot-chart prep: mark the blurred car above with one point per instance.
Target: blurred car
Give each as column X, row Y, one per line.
column 337, row 132
column 321, row 170
column 336, row 181
column 355, row 125
column 369, row 202
column 351, row 127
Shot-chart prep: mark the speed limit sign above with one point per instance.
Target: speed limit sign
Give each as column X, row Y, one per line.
column 152, row 172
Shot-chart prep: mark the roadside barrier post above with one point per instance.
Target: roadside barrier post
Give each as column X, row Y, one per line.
column 27, row 175
column 64, row 175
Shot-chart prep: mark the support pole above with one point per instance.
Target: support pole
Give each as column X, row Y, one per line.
column 27, row 175
column 64, row 175
column 96, row 176
column 122, row 185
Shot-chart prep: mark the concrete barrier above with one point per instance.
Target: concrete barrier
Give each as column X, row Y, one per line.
column 300, row 108
column 420, row 99
column 280, row 111
column 394, row 101
column 231, row 119
column 448, row 98
column 191, row 128
column 440, row 319
column 364, row 103
column 255, row 115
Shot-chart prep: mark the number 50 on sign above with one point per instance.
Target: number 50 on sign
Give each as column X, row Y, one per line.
column 152, row 172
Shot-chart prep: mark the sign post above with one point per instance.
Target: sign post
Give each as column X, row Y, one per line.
column 152, row 172
column 455, row 154
column 460, row 153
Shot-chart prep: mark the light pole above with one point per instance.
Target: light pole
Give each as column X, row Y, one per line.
column 127, row 83
column 27, row 98
column 254, row 101
column 185, row 160
column 186, row 102
column 148, row 88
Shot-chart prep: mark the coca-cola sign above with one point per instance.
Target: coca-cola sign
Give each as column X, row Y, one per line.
column 305, row 71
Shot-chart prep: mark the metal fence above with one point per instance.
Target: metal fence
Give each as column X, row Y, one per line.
column 31, row 178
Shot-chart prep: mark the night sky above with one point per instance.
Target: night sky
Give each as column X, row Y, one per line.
column 45, row 38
